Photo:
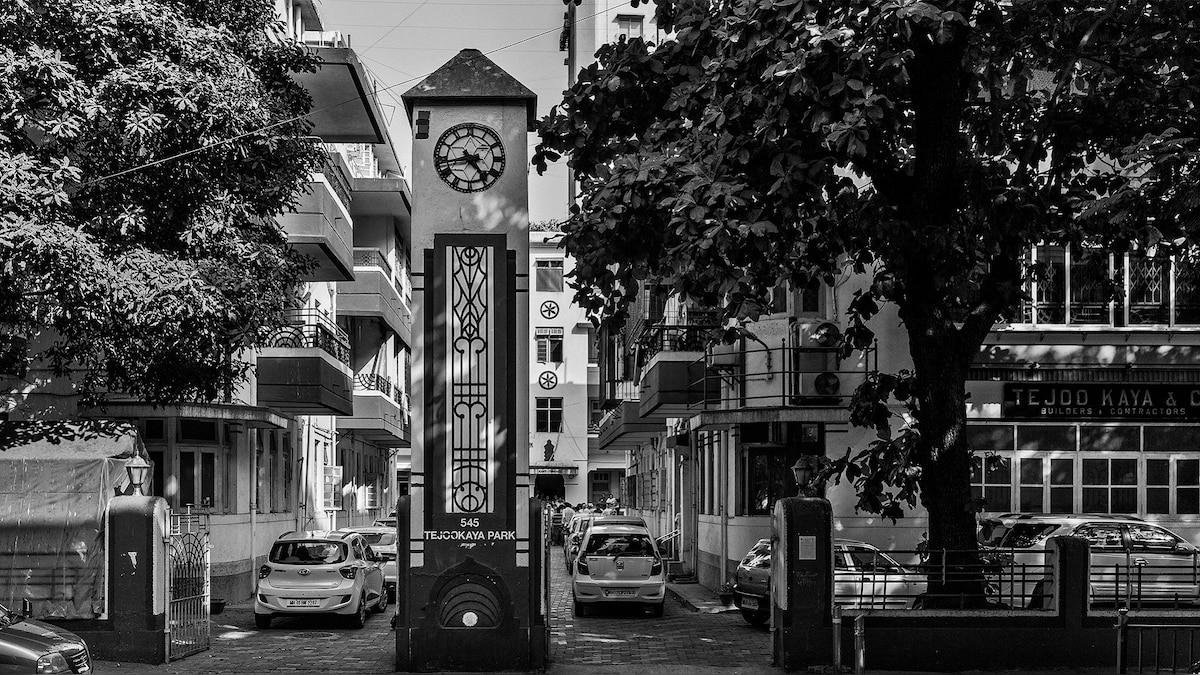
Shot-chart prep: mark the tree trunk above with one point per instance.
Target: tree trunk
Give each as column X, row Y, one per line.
column 941, row 360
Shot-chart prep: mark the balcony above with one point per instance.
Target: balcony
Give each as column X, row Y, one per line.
column 813, row 382
column 668, row 348
column 305, row 369
column 373, row 293
column 624, row 427
column 345, row 106
column 381, row 412
column 320, row 226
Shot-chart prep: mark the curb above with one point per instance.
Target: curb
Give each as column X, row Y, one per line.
column 696, row 602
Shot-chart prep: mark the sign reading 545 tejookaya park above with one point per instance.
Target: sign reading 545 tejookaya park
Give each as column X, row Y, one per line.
column 1121, row 401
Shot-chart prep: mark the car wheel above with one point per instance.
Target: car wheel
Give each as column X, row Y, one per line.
column 359, row 618
column 382, row 605
column 755, row 618
column 657, row 609
column 580, row 609
column 262, row 620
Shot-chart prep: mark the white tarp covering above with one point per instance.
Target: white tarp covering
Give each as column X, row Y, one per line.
column 53, row 497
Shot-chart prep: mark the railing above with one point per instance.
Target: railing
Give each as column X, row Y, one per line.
column 333, row 167
column 621, row 390
column 944, row 579
column 373, row 382
column 372, row 257
column 324, row 38
column 1149, row 655
column 675, row 332
column 785, row 376
column 1172, row 581
column 310, row 328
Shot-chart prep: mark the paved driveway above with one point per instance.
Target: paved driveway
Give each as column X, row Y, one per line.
column 606, row 637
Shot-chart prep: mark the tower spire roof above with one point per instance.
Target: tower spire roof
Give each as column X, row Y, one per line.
column 471, row 76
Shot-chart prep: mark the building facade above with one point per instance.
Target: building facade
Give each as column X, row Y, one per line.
column 318, row 436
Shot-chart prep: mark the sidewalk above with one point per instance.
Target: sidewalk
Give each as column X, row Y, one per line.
column 698, row 598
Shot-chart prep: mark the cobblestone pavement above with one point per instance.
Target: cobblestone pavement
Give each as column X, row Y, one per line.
column 631, row 636
column 608, row 636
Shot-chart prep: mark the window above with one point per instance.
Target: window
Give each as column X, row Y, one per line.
column 593, row 346
column 1074, row 289
column 549, row 415
column 629, row 27
column 548, row 275
column 198, row 478
column 1183, row 475
column 333, row 488
column 1110, row 485
column 769, row 478
column 549, row 345
column 992, row 483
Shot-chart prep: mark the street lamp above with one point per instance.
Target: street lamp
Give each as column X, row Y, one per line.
column 802, row 470
column 139, row 470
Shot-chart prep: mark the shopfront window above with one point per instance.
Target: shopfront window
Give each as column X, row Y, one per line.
column 1083, row 286
column 770, row 478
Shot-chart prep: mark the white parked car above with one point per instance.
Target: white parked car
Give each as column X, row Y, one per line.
column 619, row 563
column 382, row 541
column 320, row 572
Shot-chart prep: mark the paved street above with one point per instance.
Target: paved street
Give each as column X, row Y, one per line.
column 606, row 637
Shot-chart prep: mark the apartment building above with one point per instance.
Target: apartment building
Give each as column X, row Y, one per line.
column 1093, row 402
column 564, row 400
column 319, row 434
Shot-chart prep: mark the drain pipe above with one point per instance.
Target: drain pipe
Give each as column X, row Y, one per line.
column 837, row 638
column 860, row 643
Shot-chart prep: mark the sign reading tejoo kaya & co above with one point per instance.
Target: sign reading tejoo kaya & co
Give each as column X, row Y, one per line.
column 1109, row 401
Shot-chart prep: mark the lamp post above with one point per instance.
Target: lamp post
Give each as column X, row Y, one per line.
column 139, row 470
column 802, row 470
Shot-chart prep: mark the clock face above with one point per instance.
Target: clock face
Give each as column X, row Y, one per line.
column 469, row 157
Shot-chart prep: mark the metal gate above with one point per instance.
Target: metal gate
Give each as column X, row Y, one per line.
column 188, row 595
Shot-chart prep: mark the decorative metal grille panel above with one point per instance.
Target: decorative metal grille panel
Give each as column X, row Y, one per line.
column 470, row 378
column 188, row 602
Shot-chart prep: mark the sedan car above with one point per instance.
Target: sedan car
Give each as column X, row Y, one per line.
column 382, row 541
column 619, row 564
column 863, row 577
column 320, row 572
column 30, row 646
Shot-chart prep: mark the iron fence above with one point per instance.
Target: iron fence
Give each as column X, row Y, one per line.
column 1156, row 648
column 1142, row 580
column 790, row 375
column 372, row 257
column 189, row 585
column 315, row 329
column 373, row 382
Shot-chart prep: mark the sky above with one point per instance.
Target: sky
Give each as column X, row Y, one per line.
column 402, row 41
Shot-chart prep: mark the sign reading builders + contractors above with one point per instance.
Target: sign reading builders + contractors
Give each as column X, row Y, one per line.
column 1116, row 401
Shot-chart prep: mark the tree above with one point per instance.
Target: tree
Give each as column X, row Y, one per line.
column 928, row 145
column 146, row 147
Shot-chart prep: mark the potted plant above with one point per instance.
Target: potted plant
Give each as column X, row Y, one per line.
column 725, row 593
column 216, row 605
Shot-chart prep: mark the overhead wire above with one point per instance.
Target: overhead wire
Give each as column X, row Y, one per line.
column 295, row 118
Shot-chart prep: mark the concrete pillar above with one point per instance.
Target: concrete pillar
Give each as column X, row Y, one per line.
column 801, row 582
column 138, row 577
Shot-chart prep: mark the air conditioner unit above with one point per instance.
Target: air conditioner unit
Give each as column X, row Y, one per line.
column 826, row 335
column 827, row 384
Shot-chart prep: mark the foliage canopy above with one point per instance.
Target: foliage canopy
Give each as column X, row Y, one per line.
column 131, row 272
column 927, row 145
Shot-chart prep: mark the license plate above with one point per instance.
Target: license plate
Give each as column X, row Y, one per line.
column 749, row 603
column 619, row 592
column 303, row 603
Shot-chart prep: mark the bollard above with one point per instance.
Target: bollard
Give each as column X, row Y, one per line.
column 837, row 638
column 860, row 643
column 1122, row 631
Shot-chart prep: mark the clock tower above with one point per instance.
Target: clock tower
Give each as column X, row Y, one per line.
column 471, row 592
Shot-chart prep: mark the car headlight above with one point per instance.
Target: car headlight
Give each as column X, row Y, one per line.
column 52, row 663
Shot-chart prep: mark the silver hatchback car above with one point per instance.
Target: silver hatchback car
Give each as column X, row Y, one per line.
column 619, row 563
column 320, row 572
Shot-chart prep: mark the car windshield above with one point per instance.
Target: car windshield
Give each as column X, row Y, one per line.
column 1025, row 535
column 380, row 538
column 308, row 552
column 619, row 544
column 759, row 557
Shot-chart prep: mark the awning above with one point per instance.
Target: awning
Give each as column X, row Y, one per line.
column 69, row 440
column 568, row 469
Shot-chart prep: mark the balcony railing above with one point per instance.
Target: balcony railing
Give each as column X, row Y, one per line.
column 310, row 328
column 373, row 382
column 372, row 257
column 334, row 168
column 687, row 332
column 784, row 376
